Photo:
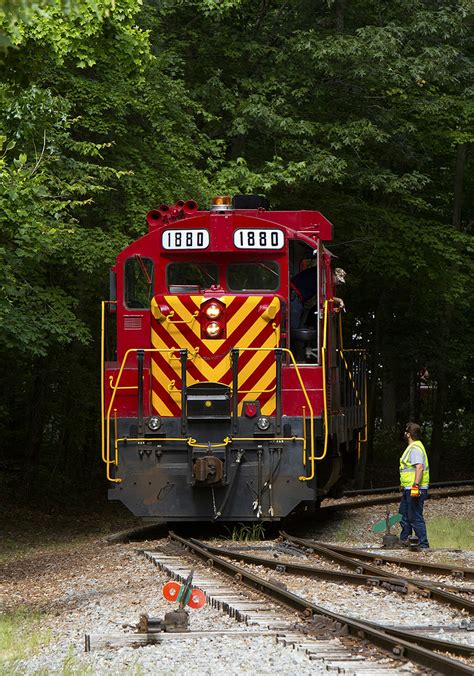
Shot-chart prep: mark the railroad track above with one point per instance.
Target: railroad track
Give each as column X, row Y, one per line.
column 395, row 497
column 399, row 643
column 321, row 644
column 458, row 572
column 388, row 581
column 394, row 489
column 423, row 587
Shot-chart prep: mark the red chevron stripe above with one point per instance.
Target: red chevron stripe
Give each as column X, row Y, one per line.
column 230, row 341
column 193, row 368
column 161, row 362
column 252, row 380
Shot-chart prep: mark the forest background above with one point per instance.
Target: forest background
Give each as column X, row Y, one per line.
column 362, row 110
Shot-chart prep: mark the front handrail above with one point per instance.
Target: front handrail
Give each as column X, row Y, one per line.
column 180, row 321
column 102, row 368
column 192, row 442
column 106, row 418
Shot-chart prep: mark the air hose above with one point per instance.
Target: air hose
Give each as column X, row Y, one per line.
column 238, row 462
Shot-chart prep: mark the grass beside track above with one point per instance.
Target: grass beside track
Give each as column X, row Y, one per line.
column 443, row 532
column 451, row 533
column 21, row 635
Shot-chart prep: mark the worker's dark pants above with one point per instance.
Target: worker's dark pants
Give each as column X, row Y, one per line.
column 411, row 510
column 296, row 310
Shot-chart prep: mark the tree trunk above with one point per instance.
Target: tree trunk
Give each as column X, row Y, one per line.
column 368, row 447
column 340, row 15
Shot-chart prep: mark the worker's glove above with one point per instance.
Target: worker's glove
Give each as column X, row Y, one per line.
column 415, row 491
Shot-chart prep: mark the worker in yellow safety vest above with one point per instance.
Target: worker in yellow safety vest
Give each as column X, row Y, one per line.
column 414, row 481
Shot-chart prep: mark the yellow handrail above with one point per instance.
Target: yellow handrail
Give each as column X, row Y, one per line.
column 284, row 349
column 102, row 368
column 350, row 377
column 267, row 439
column 180, row 321
column 122, row 387
column 145, row 440
column 193, row 442
column 325, row 394
column 115, row 388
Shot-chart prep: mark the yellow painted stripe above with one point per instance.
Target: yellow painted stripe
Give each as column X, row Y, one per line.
column 215, row 372
column 254, row 362
column 159, row 406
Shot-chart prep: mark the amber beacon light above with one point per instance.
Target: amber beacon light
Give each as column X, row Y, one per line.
column 222, row 200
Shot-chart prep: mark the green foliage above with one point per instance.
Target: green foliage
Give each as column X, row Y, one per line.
column 110, row 107
column 251, row 533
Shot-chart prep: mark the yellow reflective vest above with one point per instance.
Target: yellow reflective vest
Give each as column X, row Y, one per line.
column 407, row 470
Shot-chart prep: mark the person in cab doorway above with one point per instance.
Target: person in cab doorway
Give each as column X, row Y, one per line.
column 304, row 287
column 414, row 481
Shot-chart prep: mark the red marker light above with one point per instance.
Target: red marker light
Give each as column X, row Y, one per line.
column 250, row 410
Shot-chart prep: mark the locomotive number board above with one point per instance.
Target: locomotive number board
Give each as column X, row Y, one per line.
column 258, row 239
column 185, row 239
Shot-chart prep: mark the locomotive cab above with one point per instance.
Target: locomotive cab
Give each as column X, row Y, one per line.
column 218, row 405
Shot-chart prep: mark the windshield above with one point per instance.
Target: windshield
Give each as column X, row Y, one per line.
column 253, row 276
column 195, row 276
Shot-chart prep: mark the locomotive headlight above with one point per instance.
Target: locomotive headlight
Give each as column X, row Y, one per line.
column 213, row 329
column 154, row 423
column 263, row 423
column 213, row 311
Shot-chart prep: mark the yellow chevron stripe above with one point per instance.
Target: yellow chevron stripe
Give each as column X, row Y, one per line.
column 181, row 340
column 249, row 306
column 207, row 370
column 159, row 406
column 264, row 384
column 254, row 362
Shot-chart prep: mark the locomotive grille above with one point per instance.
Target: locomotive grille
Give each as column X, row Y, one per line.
column 132, row 323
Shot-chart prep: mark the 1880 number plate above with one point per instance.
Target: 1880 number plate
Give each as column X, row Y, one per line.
column 185, row 239
column 259, row 239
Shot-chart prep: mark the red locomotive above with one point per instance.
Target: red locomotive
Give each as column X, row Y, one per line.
column 216, row 406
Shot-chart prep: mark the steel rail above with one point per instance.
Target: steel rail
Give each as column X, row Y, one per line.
column 391, row 583
column 462, row 572
column 388, row 640
column 428, row 589
column 428, row 642
column 385, row 500
column 394, row 489
column 303, row 569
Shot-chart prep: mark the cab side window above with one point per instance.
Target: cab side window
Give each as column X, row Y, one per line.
column 138, row 282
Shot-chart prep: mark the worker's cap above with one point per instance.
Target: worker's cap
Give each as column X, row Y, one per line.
column 339, row 276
